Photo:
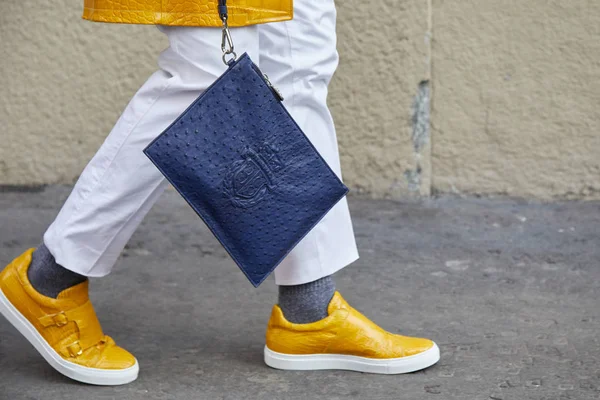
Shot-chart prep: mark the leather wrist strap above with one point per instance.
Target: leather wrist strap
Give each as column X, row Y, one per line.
column 223, row 10
column 226, row 41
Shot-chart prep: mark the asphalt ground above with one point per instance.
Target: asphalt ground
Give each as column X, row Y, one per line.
column 510, row 290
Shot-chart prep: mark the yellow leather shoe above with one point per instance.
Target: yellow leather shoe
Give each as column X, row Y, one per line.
column 346, row 339
column 65, row 330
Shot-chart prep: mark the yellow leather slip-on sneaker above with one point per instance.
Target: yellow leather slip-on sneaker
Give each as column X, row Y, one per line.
column 346, row 339
column 65, row 330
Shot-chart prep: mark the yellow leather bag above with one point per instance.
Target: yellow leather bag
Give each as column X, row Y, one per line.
column 186, row 12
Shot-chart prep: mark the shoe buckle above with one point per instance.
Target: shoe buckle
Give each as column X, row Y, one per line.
column 75, row 349
column 60, row 319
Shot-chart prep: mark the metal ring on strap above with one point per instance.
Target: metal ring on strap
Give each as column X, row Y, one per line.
column 226, row 41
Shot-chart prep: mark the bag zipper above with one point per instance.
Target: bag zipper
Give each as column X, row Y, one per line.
column 273, row 88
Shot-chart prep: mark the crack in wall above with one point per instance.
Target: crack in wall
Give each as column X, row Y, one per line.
column 421, row 116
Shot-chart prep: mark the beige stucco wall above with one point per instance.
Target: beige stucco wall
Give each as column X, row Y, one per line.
column 384, row 55
column 516, row 104
column 514, row 88
column 63, row 85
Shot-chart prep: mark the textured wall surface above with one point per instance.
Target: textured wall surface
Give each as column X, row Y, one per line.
column 63, row 85
column 384, row 56
column 67, row 80
column 516, row 104
column 514, row 90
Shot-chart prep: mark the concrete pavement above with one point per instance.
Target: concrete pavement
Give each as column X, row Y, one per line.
column 510, row 290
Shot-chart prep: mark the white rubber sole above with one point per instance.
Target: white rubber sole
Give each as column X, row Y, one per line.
column 93, row 376
column 389, row 366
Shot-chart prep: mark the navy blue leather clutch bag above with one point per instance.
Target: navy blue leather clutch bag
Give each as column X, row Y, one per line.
column 243, row 164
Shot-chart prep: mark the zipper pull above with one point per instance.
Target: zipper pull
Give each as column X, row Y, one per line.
column 275, row 91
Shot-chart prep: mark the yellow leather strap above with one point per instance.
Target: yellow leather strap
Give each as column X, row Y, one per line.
column 84, row 316
column 74, row 349
column 59, row 319
column 90, row 331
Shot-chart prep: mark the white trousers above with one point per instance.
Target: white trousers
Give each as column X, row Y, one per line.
column 119, row 185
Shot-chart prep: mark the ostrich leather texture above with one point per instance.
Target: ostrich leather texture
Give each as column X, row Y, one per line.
column 345, row 331
column 243, row 164
column 186, row 13
column 68, row 323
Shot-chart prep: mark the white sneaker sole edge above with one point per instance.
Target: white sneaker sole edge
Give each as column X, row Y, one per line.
column 389, row 366
column 94, row 376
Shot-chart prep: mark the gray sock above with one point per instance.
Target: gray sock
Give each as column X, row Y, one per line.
column 49, row 278
column 302, row 304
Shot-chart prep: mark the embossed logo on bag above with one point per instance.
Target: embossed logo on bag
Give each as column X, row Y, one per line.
column 248, row 180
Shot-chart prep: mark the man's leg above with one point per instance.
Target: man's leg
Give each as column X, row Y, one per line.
column 313, row 327
column 300, row 58
column 114, row 193
column 120, row 184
